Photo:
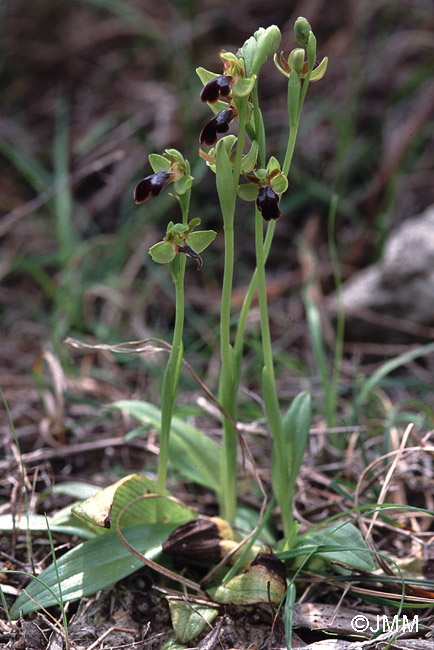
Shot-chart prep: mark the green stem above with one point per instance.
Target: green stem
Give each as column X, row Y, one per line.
column 173, row 367
column 227, row 387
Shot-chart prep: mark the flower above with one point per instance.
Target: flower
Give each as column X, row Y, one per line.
column 217, row 124
column 221, row 86
column 296, row 62
column 267, row 203
column 152, row 186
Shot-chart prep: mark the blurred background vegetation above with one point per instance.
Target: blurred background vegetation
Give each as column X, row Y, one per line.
column 90, row 87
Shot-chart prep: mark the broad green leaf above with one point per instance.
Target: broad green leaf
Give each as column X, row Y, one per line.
column 190, row 619
column 201, row 239
column 162, row 253
column 158, row 163
column 37, row 523
column 193, row 454
column 104, row 507
column 93, row 565
column 350, row 545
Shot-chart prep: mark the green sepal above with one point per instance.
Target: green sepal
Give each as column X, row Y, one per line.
column 243, row 87
column 319, row 71
column 182, row 184
column 162, row 253
column 206, row 75
column 279, row 183
column 294, row 86
column 247, row 191
column 158, row 163
column 272, row 165
column 201, row 239
column 248, row 161
column 176, row 230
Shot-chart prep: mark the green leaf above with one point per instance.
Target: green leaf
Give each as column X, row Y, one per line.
column 248, row 191
column 296, row 426
column 104, row 507
column 190, row 619
column 93, row 565
column 225, row 183
column 37, row 523
column 294, row 86
column 162, row 253
column 193, row 454
column 158, row 163
column 343, row 536
column 201, row 239
column 258, row 47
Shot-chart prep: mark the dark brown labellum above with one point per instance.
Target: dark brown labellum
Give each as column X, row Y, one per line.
column 267, row 202
column 190, row 253
column 219, row 87
column 151, row 186
column 217, row 124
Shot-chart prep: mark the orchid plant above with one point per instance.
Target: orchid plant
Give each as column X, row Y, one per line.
column 243, row 171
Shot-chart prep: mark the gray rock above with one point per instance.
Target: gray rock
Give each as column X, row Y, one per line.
column 401, row 285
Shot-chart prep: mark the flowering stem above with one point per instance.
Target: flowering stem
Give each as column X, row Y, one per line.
column 227, row 181
column 173, row 368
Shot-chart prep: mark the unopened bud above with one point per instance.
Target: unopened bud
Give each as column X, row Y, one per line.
column 301, row 30
column 296, row 60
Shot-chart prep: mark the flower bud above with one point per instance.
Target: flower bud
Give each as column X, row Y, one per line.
column 302, row 29
column 296, row 60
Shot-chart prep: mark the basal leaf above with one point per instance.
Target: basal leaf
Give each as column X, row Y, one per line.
column 193, row 454
column 93, row 565
column 350, row 545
